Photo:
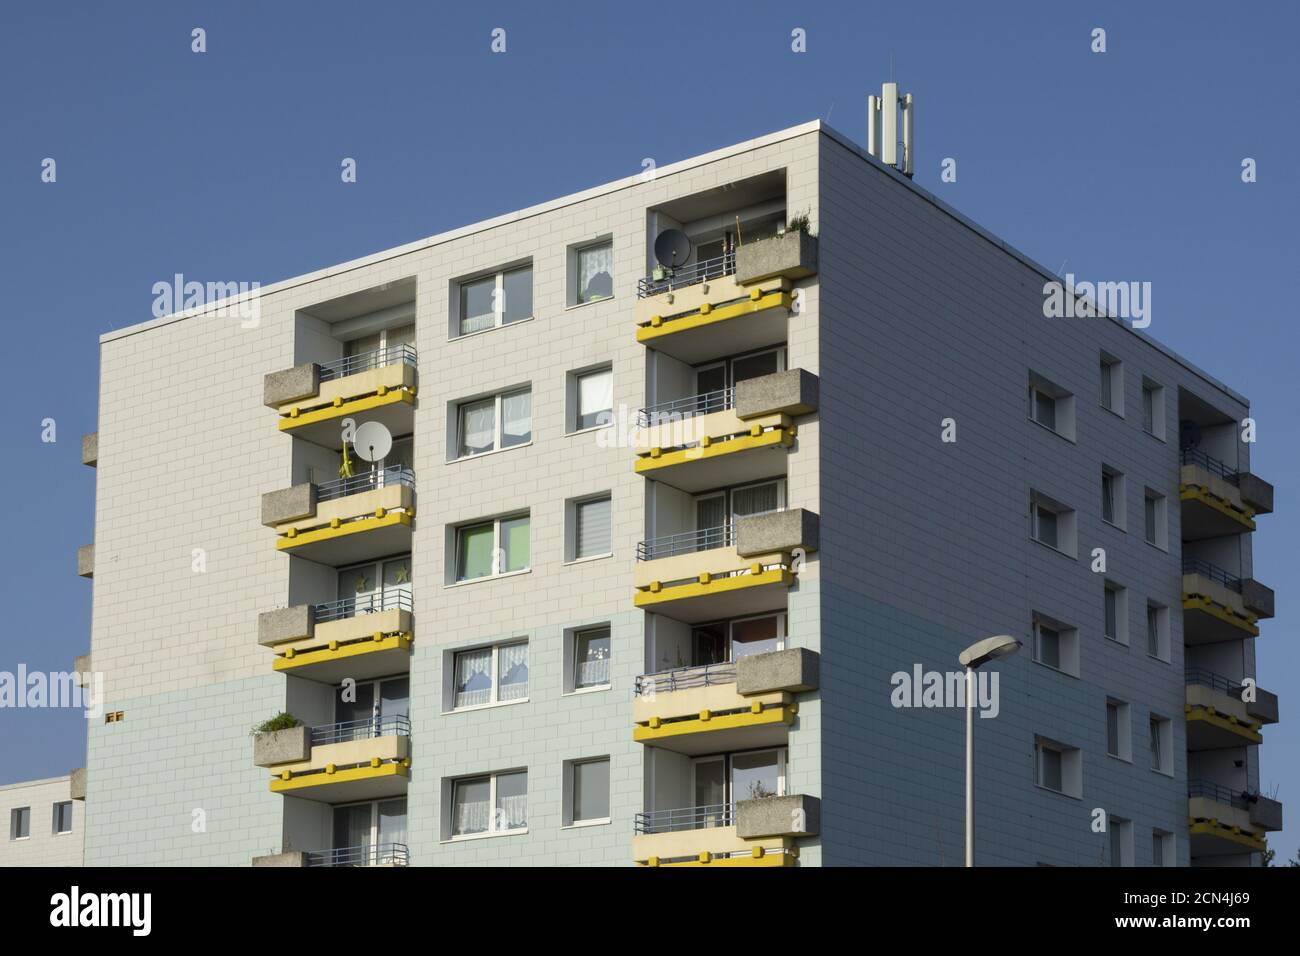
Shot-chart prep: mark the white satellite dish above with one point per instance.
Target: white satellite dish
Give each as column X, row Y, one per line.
column 372, row 441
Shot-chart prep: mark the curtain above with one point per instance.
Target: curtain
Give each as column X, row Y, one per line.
column 512, row 659
column 515, row 543
column 757, row 500
column 475, row 552
column 352, row 828
column 473, row 678
column 478, row 426
column 512, row 801
column 595, row 398
column 711, row 518
column 392, row 822
column 470, row 806
column 517, row 418
column 476, row 306
column 591, row 651
column 595, row 272
column 592, row 531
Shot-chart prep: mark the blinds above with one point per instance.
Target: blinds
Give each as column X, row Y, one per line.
column 592, row 532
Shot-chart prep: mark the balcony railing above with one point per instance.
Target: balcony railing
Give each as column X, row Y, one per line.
column 365, row 361
column 1194, row 456
column 1197, row 675
column 685, row 818
column 723, row 265
column 367, row 728
column 379, row 854
column 391, row 600
column 685, row 678
column 366, row 481
column 1241, row 799
column 680, row 409
column 687, row 542
column 1213, row 572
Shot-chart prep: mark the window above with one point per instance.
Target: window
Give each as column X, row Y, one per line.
column 1112, row 497
column 1162, row 849
column 372, row 833
column 370, row 587
column 1112, row 384
column 1056, row 645
column 1051, row 406
column 1121, row 841
column 1116, row 613
column 1058, row 767
column 492, row 548
column 586, row 785
column 1119, row 730
column 376, row 346
column 723, row 641
column 1162, row 741
column 591, row 272
column 591, row 659
column 490, row 675
column 591, row 399
column 20, row 823
column 1157, row 631
column 62, row 822
column 498, row 421
column 590, row 528
column 1156, row 528
column 496, row 803
column 494, row 300
column 1051, row 523
column 1153, row 409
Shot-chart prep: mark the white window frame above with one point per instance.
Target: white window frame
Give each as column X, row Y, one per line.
column 498, row 423
column 492, row 830
column 572, row 426
column 571, row 664
column 573, row 296
column 498, row 299
column 574, row 512
column 494, row 697
column 497, row 550
column 571, row 790
column 1062, row 406
column 1067, row 638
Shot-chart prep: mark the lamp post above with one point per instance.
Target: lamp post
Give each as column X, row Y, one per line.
column 981, row 652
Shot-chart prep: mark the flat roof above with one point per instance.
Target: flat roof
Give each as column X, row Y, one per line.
column 35, row 783
column 815, row 126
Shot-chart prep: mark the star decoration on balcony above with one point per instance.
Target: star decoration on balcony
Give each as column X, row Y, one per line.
column 403, row 574
column 363, row 583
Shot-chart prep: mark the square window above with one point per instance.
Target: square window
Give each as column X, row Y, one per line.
column 1052, row 523
column 495, row 421
column 1055, row 645
column 492, row 548
column 1058, row 767
column 591, row 272
column 1051, row 406
column 493, row 300
column 489, row 675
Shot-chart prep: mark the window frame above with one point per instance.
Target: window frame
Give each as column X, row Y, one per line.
column 1113, row 367
column 573, row 296
column 1123, row 729
column 1153, row 417
column 570, row 817
column 573, row 418
column 1155, row 527
column 493, row 783
column 1121, row 635
column 575, row 687
column 497, row 549
column 494, row 694
column 17, row 814
column 498, row 299
column 575, row 531
column 1118, row 505
column 1160, row 746
column 498, row 422
column 54, row 821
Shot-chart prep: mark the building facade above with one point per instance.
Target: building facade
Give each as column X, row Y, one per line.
column 599, row 533
column 45, row 821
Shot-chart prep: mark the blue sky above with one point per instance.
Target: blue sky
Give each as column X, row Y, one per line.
column 225, row 166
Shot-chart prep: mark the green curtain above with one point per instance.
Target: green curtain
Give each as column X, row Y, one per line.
column 515, row 541
column 475, row 552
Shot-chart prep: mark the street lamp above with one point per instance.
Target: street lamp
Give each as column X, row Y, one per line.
column 981, row 652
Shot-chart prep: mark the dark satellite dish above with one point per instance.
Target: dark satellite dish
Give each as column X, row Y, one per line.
column 672, row 248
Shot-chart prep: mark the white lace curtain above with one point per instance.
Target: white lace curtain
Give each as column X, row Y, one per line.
column 478, row 427
column 473, row 678
column 513, row 661
column 596, row 271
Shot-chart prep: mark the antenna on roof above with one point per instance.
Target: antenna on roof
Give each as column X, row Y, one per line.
column 883, row 123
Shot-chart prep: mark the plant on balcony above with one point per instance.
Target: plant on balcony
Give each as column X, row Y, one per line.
column 759, row 791
column 801, row 223
column 281, row 721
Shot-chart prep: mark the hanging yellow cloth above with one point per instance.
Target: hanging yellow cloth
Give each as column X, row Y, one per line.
column 345, row 469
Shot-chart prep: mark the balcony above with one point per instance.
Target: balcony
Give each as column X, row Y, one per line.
column 313, row 399
column 1215, row 604
column 715, row 316
column 724, row 437
column 1217, row 500
column 737, row 705
column 759, row 832
column 1223, row 821
column 727, row 571
column 379, row 854
column 339, row 763
column 350, row 519
column 358, row 637
column 1218, row 717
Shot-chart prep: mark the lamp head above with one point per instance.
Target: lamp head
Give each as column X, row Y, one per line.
column 989, row 649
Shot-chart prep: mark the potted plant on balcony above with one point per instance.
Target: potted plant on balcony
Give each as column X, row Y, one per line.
column 281, row 739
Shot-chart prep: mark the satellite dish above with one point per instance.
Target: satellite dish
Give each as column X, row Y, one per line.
column 672, row 248
column 372, row 441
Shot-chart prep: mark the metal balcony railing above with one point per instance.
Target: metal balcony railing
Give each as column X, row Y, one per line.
column 687, row 542
column 1241, row 799
column 685, row 818
column 1197, row 675
column 680, row 409
column 379, row 854
column 685, row 678
column 398, row 725
column 390, row 600
column 1213, row 572
column 365, row 361
column 366, row 481
column 1194, row 456
column 723, row 265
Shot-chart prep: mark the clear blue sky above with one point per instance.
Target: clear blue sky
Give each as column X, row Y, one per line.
column 225, row 166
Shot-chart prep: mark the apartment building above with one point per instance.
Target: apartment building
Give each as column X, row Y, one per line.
column 594, row 534
column 46, row 821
